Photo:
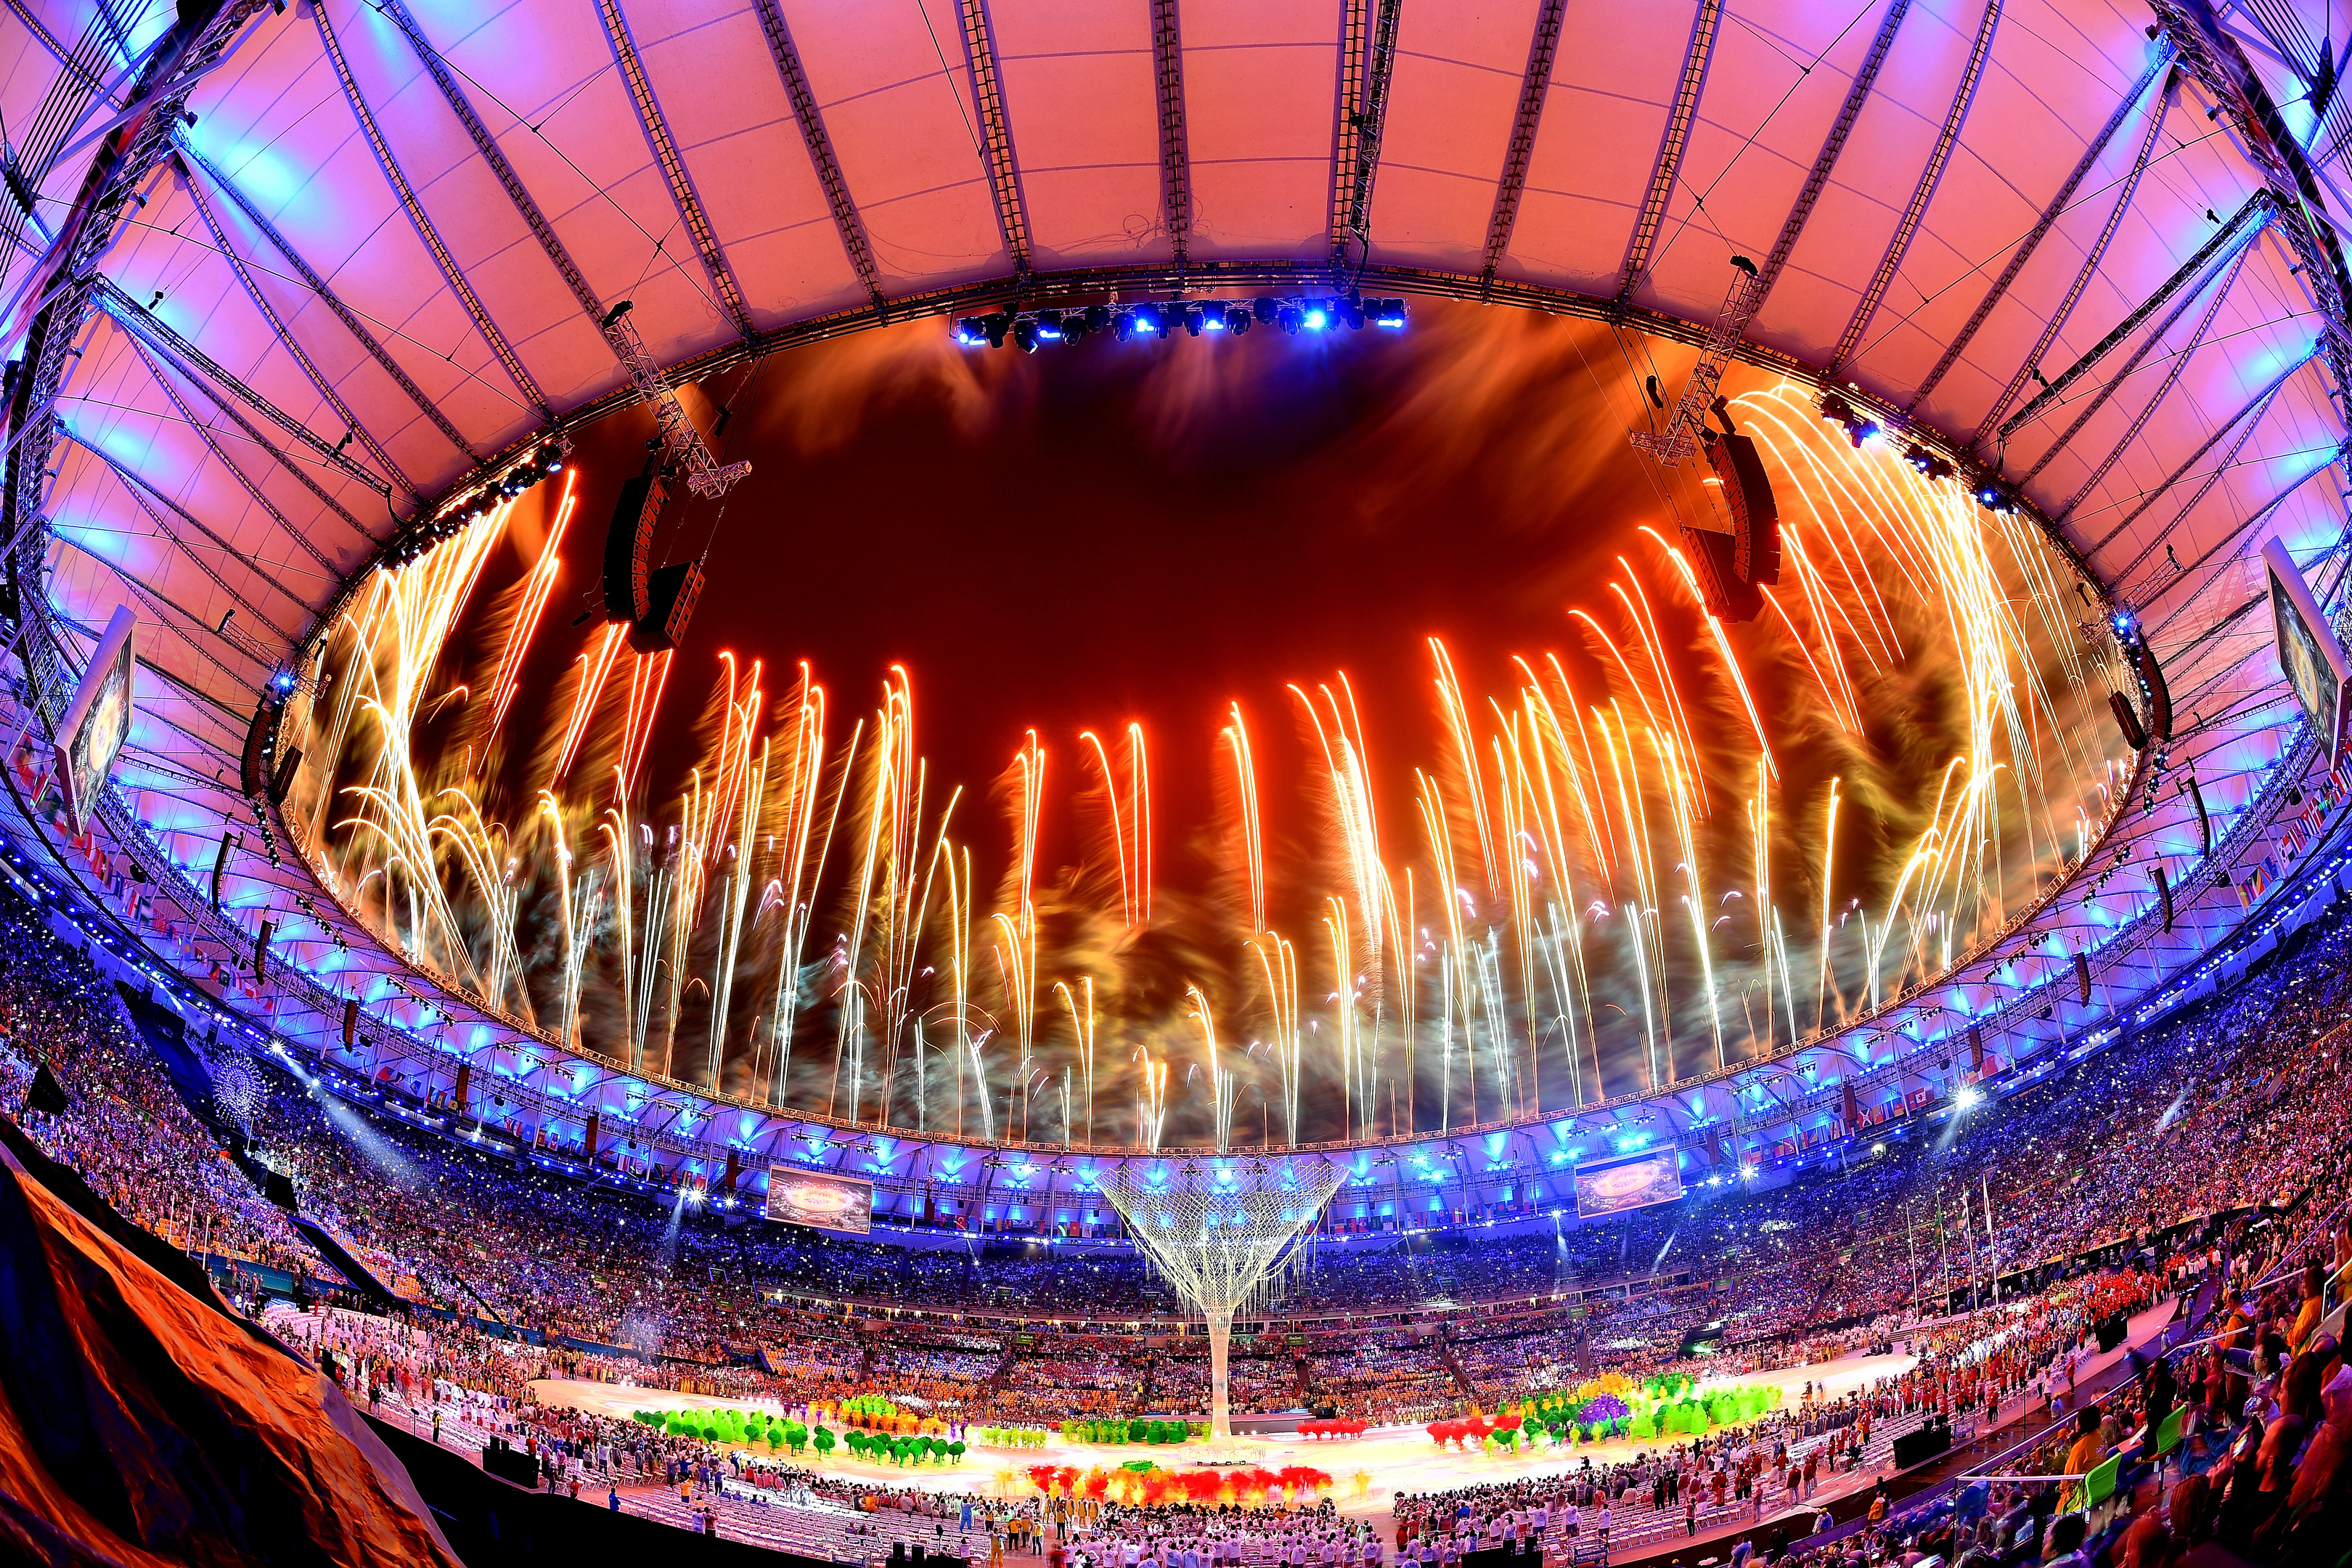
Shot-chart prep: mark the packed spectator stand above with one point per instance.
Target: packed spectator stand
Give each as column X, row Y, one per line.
column 2107, row 1185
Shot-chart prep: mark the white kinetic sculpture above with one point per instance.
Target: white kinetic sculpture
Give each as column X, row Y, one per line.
column 1217, row 1231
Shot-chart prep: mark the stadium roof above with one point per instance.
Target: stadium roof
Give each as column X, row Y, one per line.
column 281, row 277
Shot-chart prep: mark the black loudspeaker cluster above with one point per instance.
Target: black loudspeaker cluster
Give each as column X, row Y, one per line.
column 1734, row 569
column 654, row 601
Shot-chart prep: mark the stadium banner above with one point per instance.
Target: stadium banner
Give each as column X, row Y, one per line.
column 96, row 723
column 1627, row 1181
column 818, row 1201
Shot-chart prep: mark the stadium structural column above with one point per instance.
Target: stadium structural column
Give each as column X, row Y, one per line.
column 1221, row 1406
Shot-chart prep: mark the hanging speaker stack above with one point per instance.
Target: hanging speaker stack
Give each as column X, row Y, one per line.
column 629, row 544
column 1734, row 568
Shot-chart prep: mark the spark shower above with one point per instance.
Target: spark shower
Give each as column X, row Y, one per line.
column 1619, row 848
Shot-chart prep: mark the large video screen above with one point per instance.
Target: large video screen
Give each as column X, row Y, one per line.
column 96, row 723
column 819, row 1200
column 1627, row 1181
column 2308, row 653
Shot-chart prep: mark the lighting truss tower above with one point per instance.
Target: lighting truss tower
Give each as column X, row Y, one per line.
column 681, row 442
column 1217, row 1233
column 1677, row 439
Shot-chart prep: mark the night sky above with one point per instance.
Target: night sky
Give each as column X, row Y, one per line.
column 1116, row 531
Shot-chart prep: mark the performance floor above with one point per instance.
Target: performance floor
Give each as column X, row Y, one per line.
column 1366, row 1471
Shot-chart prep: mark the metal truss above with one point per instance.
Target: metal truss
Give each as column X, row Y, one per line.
column 451, row 273
column 285, row 335
column 1534, row 86
column 1361, row 118
column 2242, row 228
column 301, row 538
column 855, row 242
column 1907, row 226
column 2050, row 214
column 2172, row 374
column 681, row 442
column 673, row 167
column 1175, row 152
column 2030, row 366
column 326, row 295
column 988, row 102
column 1668, row 168
column 1677, row 438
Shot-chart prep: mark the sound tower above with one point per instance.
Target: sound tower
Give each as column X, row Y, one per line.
column 1733, row 567
column 2159, row 695
column 281, row 783
column 2128, row 721
column 252, row 775
column 629, row 542
column 675, row 589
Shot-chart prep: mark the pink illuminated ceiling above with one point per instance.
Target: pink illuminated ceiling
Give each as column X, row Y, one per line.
column 402, row 218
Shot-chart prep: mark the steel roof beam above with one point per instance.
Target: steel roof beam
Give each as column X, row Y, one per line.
column 285, row 335
column 997, row 154
column 847, row 222
column 2252, row 409
column 70, row 59
column 136, row 483
column 451, row 273
column 1535, row 86
column 301, row 537
column 2252, row 522
column 198, row 40
column 220, row 401
column 1817, row 177
column 1907, row 226
column 1175, row 149
column 2050, row 216
column 2243, row 226
column 1363, row 102
column 326, row 296
column 675, row 173
column 2030, row 366
column 144, row 324
column 2173, row 374
column 526, row 206
column 1680, row 116
column 165, row 608
column 39, row 137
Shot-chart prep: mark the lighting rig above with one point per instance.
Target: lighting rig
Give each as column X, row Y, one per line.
column 543, row 461
column 1030, row 330
column 1861, row 430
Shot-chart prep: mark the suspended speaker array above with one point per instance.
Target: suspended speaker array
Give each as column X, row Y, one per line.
column 655, row 601
column 1734, row 568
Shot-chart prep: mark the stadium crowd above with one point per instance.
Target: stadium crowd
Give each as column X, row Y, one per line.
column 2235, row 1108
